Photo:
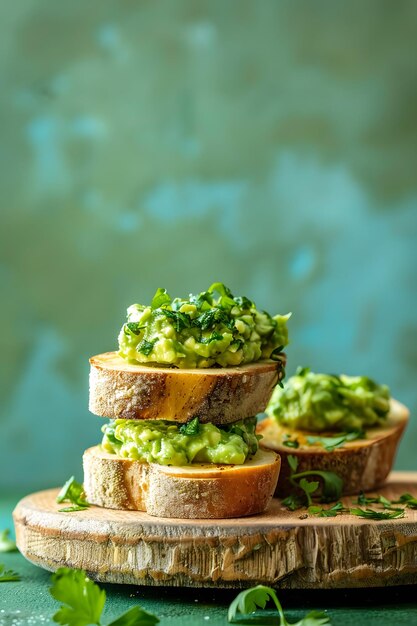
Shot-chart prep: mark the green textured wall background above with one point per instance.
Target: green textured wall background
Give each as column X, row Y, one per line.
column 270, row 145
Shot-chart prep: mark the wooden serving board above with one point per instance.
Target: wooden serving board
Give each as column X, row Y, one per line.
column 276, row 548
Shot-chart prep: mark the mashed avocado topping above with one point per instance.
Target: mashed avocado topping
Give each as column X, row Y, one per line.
column 169, row 443
column 213, row 328
column 323, row 402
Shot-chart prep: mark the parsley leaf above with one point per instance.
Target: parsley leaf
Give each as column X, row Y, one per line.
column 72, row 492
column 291, row 443
column 332, row 511
column 191, row 428
column 377, row 515
column 293, row 463
column 161, row 298
column 179, row 320
column 331, row 489
column 257, row 597
column 332, row 484
column 408, row 500
column 309, row 487
column 337, row 441
column 136, row 616
column 8, row 575
column 85, row 601
column 6, row 544
column 133, row 327
column 363, row 500
column 293, row 502
column 145, row 347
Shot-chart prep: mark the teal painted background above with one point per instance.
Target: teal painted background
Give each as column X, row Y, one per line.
column 269, row 145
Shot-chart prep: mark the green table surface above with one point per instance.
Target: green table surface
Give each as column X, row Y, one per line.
column 29, row 601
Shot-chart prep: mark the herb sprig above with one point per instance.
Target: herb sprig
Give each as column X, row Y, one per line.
column 331, row 491
column 407, row 499
column 6, row 544
column 83, row 602
column 377, row 515
column 332, row 511
column 8, row 575
column 249, row 600
column 72, row 492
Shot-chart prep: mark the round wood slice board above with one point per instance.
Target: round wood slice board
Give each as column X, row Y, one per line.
column 276, row 548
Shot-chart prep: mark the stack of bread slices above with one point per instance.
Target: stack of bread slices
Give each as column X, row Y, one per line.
column 120, row 390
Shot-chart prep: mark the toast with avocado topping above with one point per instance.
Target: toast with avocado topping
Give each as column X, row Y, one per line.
column 347, row 425
column 182, row 394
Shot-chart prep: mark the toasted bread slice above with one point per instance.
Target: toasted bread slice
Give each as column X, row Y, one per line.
column 121, row 390
column 363, row 464
column 193, row 491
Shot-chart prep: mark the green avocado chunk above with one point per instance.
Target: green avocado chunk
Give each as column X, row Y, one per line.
column 324, row 402
column 203, row 331
column 169, row 443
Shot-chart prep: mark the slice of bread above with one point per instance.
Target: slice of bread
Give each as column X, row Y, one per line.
column 192, row 491
column 363, row 464
column 121, row 390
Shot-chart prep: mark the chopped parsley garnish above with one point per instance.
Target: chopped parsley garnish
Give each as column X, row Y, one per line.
column 377, row 515
column 332, row 511
column 336, row 441
column 191, row 428
column 291, row 443
column 213, row 328
column 134, row 327
column 145, row 347
column 160, row 299
column 407, row 499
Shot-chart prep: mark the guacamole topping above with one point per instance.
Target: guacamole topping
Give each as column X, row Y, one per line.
column 213, row 328
column 169, row 443
column 324, row 402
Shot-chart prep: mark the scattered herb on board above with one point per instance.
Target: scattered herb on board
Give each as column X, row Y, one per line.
column 332, row 511
column 332, row 486
column 388, row 510
column 364, row 500
column 72, row 492
column 83, row 602
column 6, row 544
column 8, row 575
column 248, row 601
column 407, row 499
column 377, row 515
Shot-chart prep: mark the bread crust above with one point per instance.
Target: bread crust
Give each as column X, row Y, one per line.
column 363, row 464
column 121, row 390
column 193, row 491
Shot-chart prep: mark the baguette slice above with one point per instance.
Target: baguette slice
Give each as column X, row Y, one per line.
column 121, row 390
column 193, row 491
column 363, row 464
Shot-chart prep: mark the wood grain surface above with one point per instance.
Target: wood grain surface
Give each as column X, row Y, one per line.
column 276, row 548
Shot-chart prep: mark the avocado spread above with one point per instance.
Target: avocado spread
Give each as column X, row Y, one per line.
column 168, row 443
column 213, row 328
column 324, row 402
